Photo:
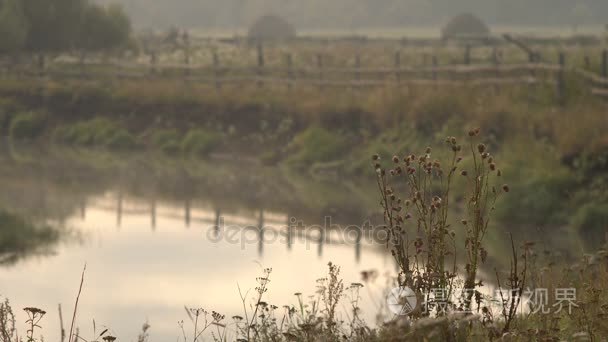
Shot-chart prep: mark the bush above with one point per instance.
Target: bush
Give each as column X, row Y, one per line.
column 316, row 144
column 95, row 132
column 591, row 222
column 166, row 140
column 539, row 201
column 27, row 125
column 120, row 140
column 199, row 142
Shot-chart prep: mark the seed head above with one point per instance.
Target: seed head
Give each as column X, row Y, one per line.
column 375, row 157
column 395, row 159
column 428, row 150
column 499, row 173
column 492, row 166
column 505, row 188
column 464, row 173
column 481, row 148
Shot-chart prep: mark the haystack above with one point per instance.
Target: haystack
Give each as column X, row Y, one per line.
column 465, row 25
column 271, row 27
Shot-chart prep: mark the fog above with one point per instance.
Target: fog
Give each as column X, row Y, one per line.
column 356, row 14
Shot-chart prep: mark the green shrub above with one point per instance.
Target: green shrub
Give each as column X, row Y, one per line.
column 120, row 140
column 591, row 222
column 316, row 144
column 166, row 140
column 539, row 201
column 199, row 142
column 27, row 125
column 99, row 132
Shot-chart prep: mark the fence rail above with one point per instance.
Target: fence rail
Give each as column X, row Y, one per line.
column 320, row 76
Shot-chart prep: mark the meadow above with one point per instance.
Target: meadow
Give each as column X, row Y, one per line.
column 529, row 155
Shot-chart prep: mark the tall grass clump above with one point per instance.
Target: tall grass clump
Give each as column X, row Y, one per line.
column 98, row 132
column 166, row 140
column 316, row 145
column 199, row 142
column 27, row 125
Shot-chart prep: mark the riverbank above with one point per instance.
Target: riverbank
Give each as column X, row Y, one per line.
column 553, row 152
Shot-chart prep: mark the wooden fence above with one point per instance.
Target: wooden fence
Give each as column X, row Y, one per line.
column 321, row 76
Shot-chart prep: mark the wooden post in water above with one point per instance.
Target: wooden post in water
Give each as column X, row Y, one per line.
column 398, row 67
column 289, row 231
column 153, row 214
column 261, row 233
column 261, row 62
column 561, row 79
column 358, row 244
column 289, row 61
column 119, row 209
column 216, row 70
column 187, row 213
column 218, row 223
column 83, row 208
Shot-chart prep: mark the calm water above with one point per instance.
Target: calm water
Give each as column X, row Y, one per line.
column 147, row 228
column 152, row 244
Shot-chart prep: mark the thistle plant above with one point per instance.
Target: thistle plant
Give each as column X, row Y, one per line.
column 421, row 237
column 34, row 317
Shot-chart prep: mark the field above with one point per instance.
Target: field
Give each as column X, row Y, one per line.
column 530, row 129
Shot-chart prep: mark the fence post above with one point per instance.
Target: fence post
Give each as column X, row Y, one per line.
column 153, row 62
column 320, row 67
column 216, row 70
column 605, row 63
column 41, row 64
column 186, row 38
column 435, row 65
column 261, row 63
column 398, row 67
column 358, row 67
column 496, row 60
column 289, row 61
column 561, row 90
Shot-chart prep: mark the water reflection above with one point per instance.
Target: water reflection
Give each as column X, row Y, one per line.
column 159, row 233
column 160, row 236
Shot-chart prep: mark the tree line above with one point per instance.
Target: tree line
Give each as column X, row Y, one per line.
column 50, row 26
column 353, row 14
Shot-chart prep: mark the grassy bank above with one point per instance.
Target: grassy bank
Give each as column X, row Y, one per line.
column 554, row 153
column 423, row 242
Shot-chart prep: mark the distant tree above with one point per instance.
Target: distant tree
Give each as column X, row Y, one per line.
column 581, row 14
column 271, row 27
column 53, row 24
column 13, row 27
column 103, row 28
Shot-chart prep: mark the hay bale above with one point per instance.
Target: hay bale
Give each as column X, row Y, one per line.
column 465, row 25
column 271, row 27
